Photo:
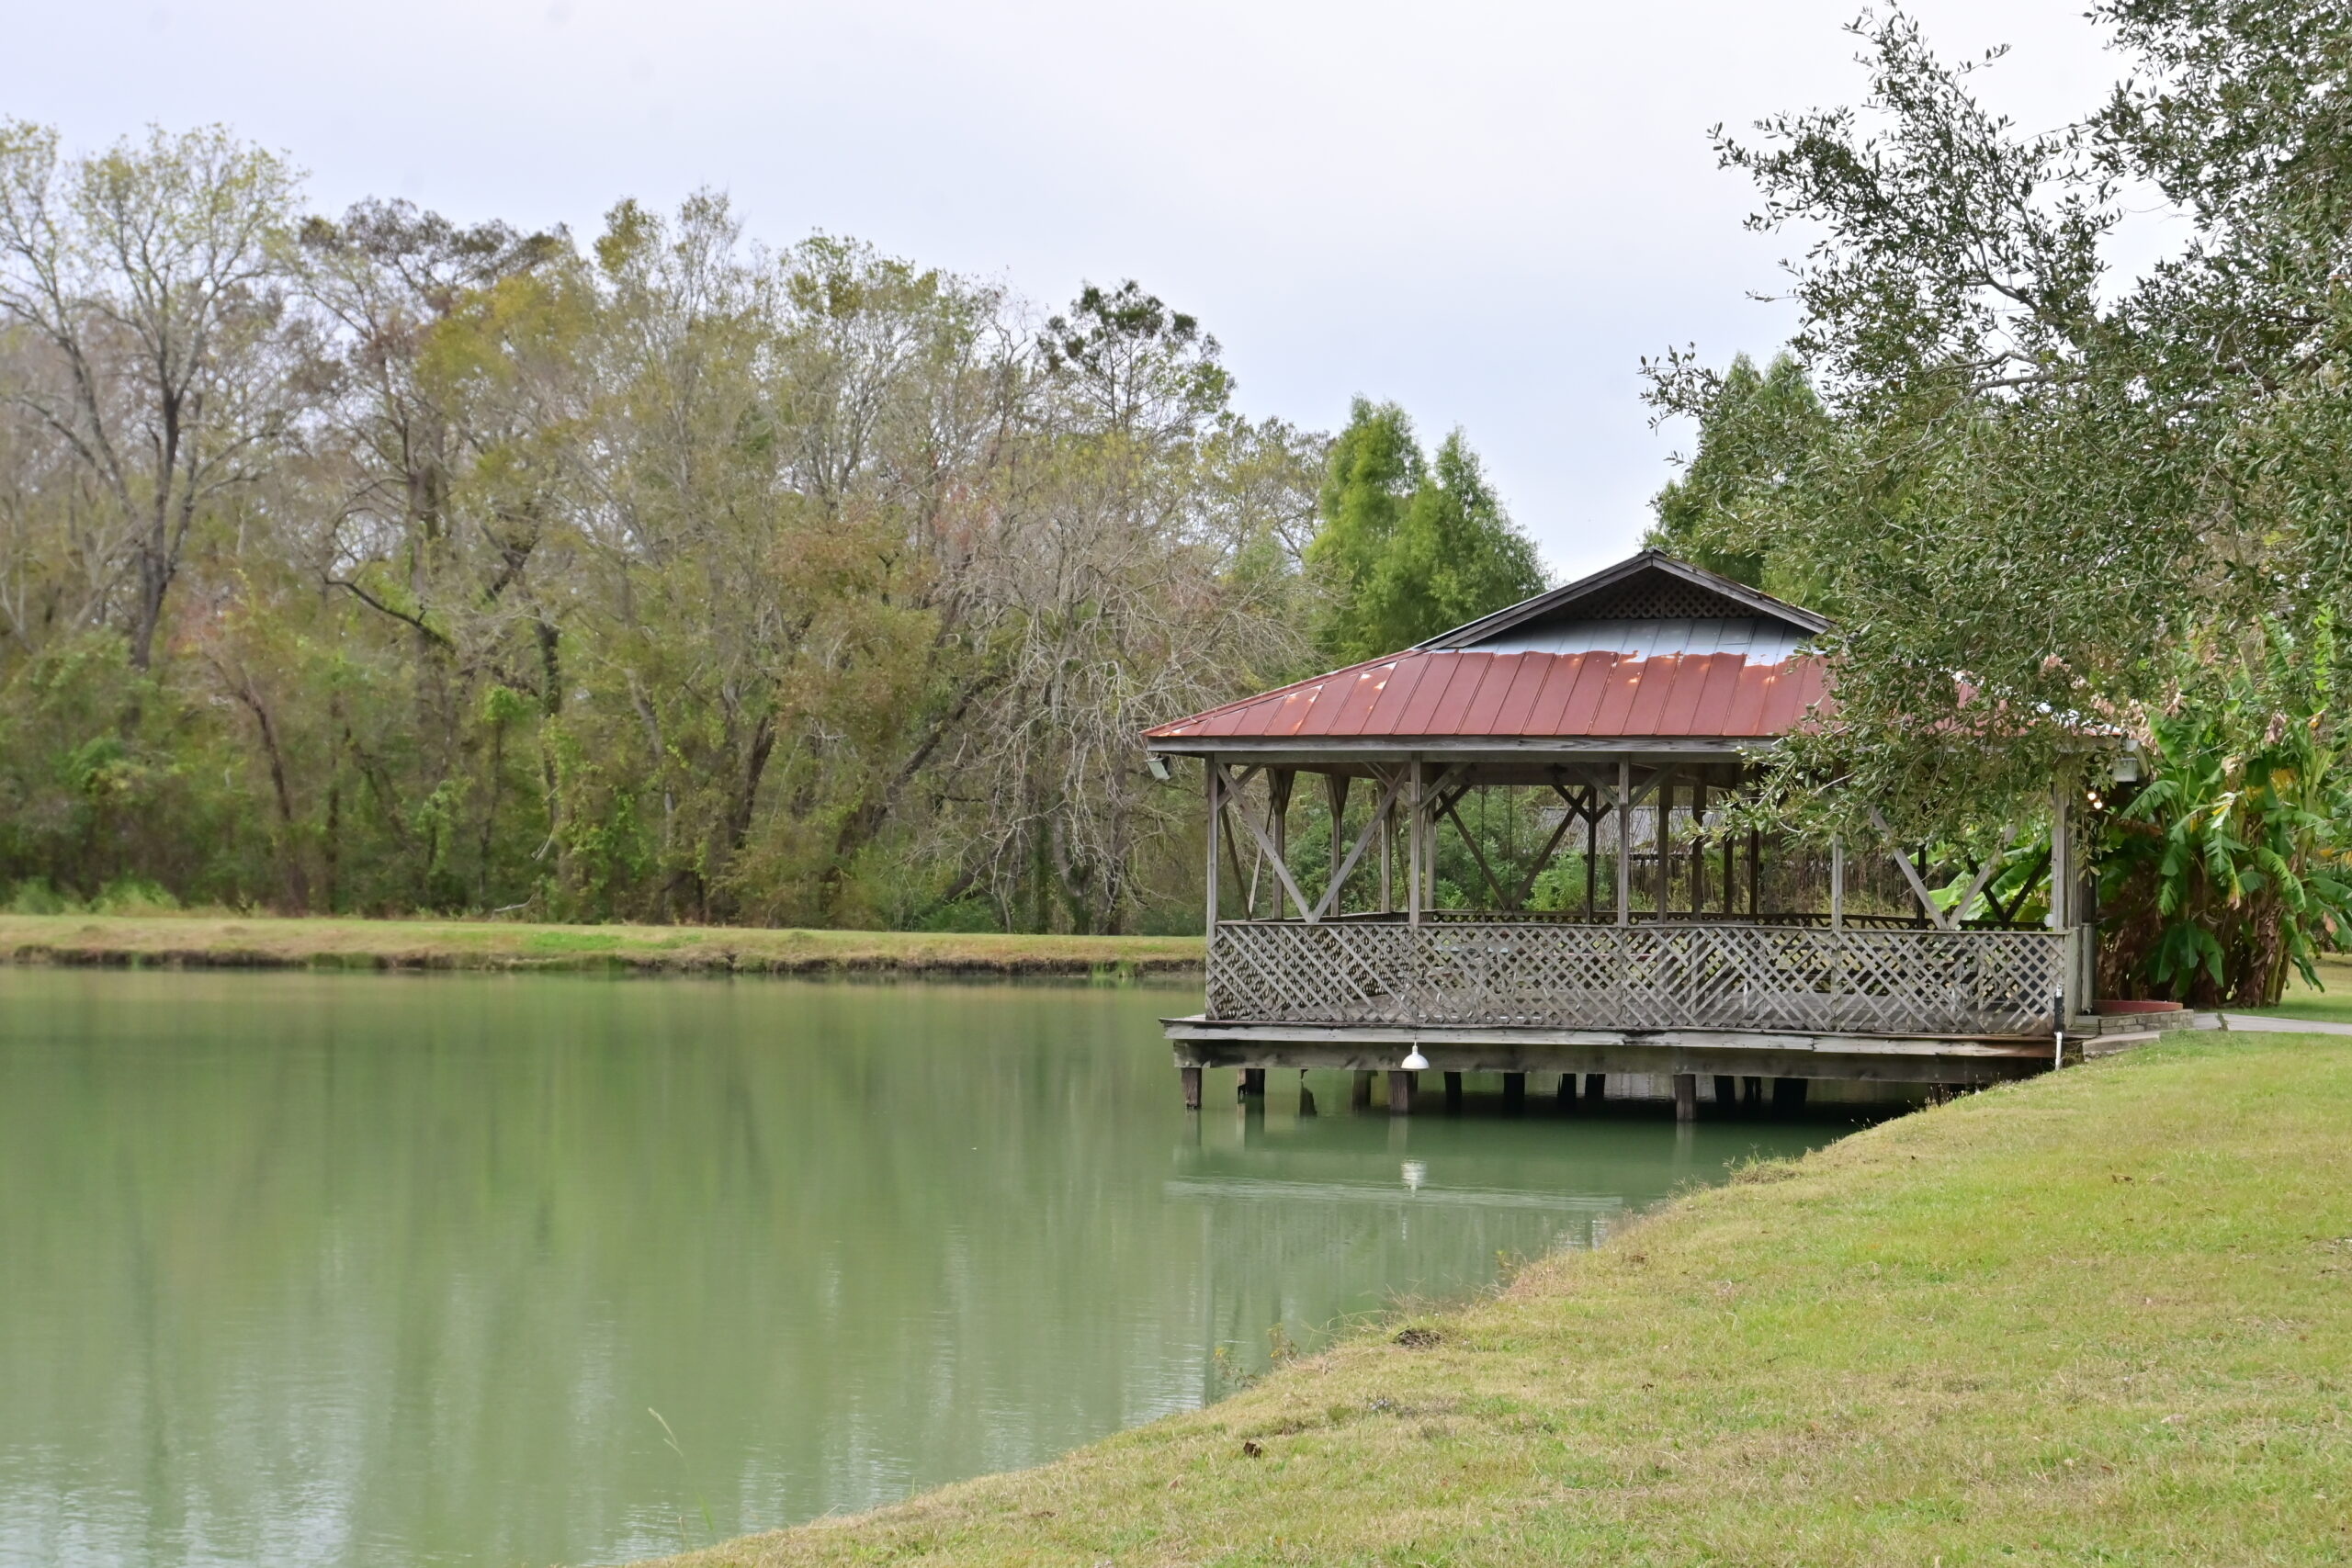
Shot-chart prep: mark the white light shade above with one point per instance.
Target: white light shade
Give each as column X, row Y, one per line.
column 1415, row 1061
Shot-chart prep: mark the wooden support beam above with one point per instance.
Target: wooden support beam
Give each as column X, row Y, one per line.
column 1836, row 885
column 1911, row 874
column 1731, row 881
column 1751, row 1092
column 1698, row 849
column 1282, row 869
column 1686, row 1097
column 1253, row 1085
column 1567, row 1092
column 1329, row 903
column 1493, row 883
column 1400, row 1091
column 1527, row 884
column 1216, row 813
column 1983, row 877
column 1192, row 1082
column 1514, row 1091
column 1452, row 1092
column 1661, row 826
column 1727, row 1091
column 1415, row 806
column 1360, row 1090
column 1624, row 841
column 1596, row 1089
column 1305, row 1095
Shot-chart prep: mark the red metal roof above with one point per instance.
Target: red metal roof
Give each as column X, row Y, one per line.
column 1448, row 694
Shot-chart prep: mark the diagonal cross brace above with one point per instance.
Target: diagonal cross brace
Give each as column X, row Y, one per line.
column 1347, row 867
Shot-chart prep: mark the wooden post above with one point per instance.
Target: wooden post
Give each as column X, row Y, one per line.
column 1514, row 1091
column 1305, row 1095
column 1698, row 849
column 1755, row 872
column 1413, row 812
column 1387, row 855
column 1836, row 885
column 1400, row 1092
column 1727, row 1091
column 1216, row 818
column 1253, row 1085
column 1452, row 1091
column 1596, row 1089
column 1360, row 1090
column 1567, row 1094
column 1591, row 855
column 2061, row 857
column 1624, row 848
column 1335, row 789
column 1686, row 1097
column 1661, row 809
column 1277, row 787
column 1751, row 1092
column 1192, row 1077
column 1731, row 880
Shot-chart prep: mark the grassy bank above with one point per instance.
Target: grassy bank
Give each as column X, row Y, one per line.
column 2102, row 1316
column 266, row 942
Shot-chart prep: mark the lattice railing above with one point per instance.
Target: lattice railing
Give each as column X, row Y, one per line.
column 1638, row 976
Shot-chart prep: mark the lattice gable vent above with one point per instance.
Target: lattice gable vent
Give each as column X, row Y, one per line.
column 1651, row 596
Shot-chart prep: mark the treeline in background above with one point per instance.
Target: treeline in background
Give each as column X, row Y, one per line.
column 377, row 563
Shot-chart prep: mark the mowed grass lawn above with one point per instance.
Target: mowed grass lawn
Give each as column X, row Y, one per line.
column 2104, row 1316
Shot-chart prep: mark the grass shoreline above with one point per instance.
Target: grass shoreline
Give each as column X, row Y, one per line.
column 262, row 941
column 2101, row 1316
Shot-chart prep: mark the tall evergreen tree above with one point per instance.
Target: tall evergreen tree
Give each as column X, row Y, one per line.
column 1407, row 548
column 1757, row 437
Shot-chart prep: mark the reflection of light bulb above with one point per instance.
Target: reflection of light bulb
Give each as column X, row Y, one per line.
column 1415, row 1174
column 1415, row 1061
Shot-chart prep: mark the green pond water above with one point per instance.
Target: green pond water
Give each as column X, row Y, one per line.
column 304, row 1270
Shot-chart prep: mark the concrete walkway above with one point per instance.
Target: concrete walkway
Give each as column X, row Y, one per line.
column 2263, row 1024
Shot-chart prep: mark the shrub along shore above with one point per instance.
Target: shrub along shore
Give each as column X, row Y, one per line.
column 269, row 942
column 2101, row 1316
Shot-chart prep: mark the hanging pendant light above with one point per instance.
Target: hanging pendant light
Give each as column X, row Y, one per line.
column 1414, row 1061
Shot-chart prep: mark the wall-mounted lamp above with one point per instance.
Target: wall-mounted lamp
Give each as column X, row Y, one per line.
column 2127, row 767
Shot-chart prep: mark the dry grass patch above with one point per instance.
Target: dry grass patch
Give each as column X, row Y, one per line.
column 262, row 941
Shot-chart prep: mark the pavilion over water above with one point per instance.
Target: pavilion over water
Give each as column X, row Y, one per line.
column 1622, row 705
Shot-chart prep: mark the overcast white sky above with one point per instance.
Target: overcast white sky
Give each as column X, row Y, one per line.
column 1488, row 211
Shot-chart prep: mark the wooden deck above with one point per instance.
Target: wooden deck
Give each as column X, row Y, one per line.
column 1199, row 1042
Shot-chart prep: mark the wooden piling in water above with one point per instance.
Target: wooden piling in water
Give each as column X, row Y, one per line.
column 1452, row 1091
column 1305, row 1095
column 1360, row 1090
column 1568, row 1091
column 1596, row 1089
column 1192, row 1077
column 1400, row 1092
column 1514, row 1091
column 1751, row 1092
column 1253, row 1085
column 1726, row 1091
column 1686, row 1097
